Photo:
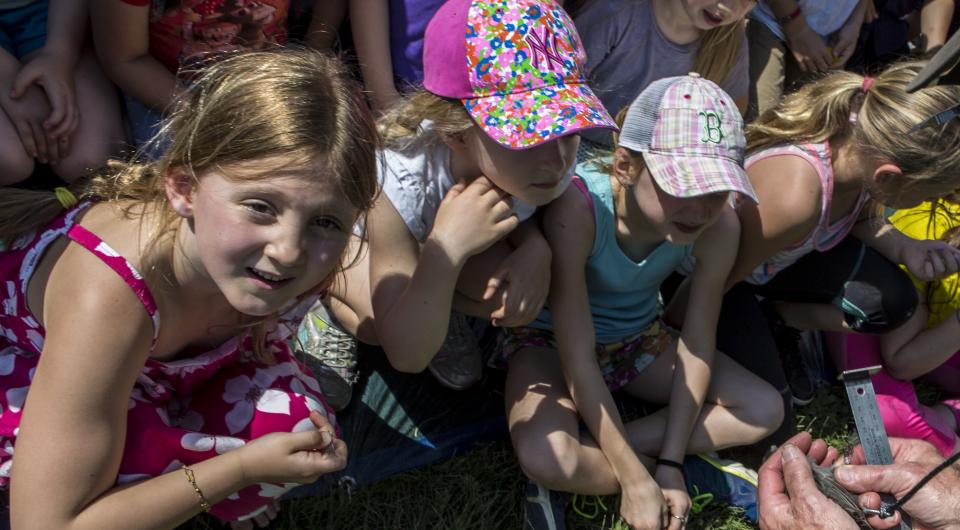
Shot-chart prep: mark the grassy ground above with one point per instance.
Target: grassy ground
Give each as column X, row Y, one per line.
column 481, row 490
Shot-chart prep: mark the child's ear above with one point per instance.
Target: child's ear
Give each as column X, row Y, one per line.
column 624, row 167
column 457, row 142
column 885, row 174
column 180, row 186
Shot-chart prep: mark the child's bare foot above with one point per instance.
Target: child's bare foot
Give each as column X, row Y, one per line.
column 261, row 521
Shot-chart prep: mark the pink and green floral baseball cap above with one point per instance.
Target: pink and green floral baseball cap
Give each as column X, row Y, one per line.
column 517, row 65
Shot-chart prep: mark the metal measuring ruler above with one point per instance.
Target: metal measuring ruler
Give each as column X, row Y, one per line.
column 866, row 414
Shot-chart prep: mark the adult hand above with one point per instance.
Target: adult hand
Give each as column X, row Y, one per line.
column 522, row 283
column 930, row 259
column 807, row 47
column 643, row 507
column 472, row 217
column 788, row 496
column 300, row 457
column 935, row 506
column 674, row 491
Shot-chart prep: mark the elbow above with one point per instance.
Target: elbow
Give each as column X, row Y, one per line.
column 901, row 371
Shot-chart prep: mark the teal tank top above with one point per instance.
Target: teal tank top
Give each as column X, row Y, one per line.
column 624, row 295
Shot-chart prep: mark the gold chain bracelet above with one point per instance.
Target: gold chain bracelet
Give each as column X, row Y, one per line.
column 204, row 505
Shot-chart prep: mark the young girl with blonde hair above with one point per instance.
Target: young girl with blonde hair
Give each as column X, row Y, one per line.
column 632, row 43
column 492, row 135
column 616, row 234
column 144, row 369
column 824, row 162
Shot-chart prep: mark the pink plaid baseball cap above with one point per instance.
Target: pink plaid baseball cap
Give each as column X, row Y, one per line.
column 517, row 66
column 691, row 136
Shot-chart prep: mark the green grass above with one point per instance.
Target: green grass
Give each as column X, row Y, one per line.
column 481, row 490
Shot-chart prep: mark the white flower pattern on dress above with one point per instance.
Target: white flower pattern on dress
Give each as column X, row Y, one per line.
column 248, row 394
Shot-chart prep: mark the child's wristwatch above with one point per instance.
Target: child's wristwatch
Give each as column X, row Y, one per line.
column 786, row 19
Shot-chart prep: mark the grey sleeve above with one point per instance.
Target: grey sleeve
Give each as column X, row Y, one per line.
column 600, row 30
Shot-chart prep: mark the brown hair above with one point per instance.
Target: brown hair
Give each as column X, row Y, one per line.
column 297, row 105
column 878, row 122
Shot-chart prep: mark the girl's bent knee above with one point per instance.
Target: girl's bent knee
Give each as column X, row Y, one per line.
column 547, row 460
column 14, row 169
column 764, row 411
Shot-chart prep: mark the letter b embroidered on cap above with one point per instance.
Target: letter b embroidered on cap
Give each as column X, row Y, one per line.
column 712, row 126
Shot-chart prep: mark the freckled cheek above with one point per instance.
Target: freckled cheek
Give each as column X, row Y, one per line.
column 326, row 254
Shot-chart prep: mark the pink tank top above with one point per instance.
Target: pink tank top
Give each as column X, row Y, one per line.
column 825, row 235
column 18, row 263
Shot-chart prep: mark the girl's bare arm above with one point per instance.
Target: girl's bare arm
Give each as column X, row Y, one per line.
column 715, row 251
column 122, row 40
column 72, row 434
column 789, row 206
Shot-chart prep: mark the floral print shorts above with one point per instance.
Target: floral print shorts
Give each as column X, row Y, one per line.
column 620, row 362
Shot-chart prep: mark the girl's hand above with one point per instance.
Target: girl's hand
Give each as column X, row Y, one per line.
column 472, row 217
column 674, row 491
column 642, row 506
column 807, row 47
column 294, row 456
column 844, row 40
column 55, row 75
column 929, row 260
column 27, row 113
column 523, row 282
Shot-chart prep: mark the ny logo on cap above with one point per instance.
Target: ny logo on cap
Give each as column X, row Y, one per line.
column 546, row 46
column 711, row 127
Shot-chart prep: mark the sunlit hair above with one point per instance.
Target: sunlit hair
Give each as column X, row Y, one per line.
column 401, row 126
column 880, row 127
column 718, row 50
column 298, row 108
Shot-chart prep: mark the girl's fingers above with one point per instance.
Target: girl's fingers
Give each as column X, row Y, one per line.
column 40, row 142
column 26, row 136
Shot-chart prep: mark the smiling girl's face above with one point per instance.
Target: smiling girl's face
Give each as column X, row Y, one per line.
column 265, row 241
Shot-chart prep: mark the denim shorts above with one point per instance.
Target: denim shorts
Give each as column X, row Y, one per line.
column 24, row 29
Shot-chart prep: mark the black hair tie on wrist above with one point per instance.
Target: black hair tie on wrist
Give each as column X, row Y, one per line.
column 674, row 464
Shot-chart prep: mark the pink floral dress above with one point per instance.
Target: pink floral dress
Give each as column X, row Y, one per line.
column 180, row 412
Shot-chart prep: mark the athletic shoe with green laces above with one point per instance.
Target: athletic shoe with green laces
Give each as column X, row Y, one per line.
column 330, row 352
column 714, row 479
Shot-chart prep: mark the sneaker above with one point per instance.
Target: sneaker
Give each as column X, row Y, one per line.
column 459, row 363
column 711, row 478
column 544, row 509
column 801, row 354
column 330, row 352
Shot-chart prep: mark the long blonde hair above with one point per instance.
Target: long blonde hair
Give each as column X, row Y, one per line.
column 878, row 121
column 718, row 50
column 299, row 107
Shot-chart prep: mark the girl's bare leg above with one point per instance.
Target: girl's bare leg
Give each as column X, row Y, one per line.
column 545, row 428
column 740, row 408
